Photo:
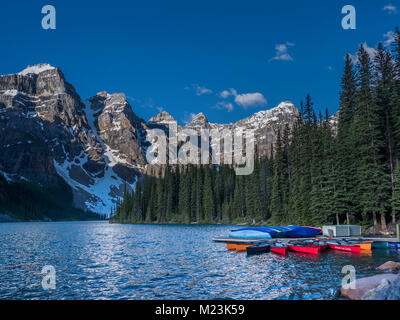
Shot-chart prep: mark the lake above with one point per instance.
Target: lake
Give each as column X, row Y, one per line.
column 98, row 260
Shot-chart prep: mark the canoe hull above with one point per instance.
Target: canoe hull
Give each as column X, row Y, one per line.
column 249, row 234
column 380, row 245
column 394, row 245
column 304, row 249
column 258, row 249
column 355, row 249
column 242, row 247
column 365, row 246
column 279, row 250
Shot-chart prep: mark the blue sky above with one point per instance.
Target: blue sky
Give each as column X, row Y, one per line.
column 181, row 55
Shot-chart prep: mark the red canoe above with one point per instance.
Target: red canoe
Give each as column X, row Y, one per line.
column 348, row 248
column 323, row 247
column 312, row 249
column 279, row 250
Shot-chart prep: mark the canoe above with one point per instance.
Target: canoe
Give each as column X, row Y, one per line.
column 316, row 243
column 367, row 246
column 242, row 247
column 234, row 245
column 394, row 245
column 279, row 249
column 344, row 247
column 380, row 245
column 249, row 234
column 302, row 232
column 304, row 248
column 275, row 232
column 260, row 248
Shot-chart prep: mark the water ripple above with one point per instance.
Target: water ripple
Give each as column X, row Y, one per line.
column 97, row 260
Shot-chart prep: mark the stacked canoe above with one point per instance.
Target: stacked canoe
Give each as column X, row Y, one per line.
column 255, row 240
column 315, row 246
column 275, row 232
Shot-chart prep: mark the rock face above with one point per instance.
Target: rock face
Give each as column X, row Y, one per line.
column 45, row 133
column 265, row 125
column 387, row 291
column 367, row 288
column 390, row 265
column 98, row 146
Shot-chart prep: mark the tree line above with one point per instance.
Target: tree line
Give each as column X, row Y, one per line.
column 318, row 171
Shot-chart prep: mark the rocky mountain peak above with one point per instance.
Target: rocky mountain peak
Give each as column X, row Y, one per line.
column 162, row 117
column 36, row 69
column 286, row 106
column 199, row 121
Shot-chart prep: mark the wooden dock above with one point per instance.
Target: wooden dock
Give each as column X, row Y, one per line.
column 237, row 240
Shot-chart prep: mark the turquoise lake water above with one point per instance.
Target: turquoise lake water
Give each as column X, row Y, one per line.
column 98, row 260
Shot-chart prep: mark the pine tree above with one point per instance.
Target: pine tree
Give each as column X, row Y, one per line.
column 316, row 194
column 395, row 201
column 277, row 197
column 208, row 196
column 396, row 95
column 372, row 178
column 185, row 196
column 345, row 192
column 384, row 88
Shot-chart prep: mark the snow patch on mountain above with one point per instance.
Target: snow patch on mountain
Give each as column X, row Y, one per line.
column 36, row 69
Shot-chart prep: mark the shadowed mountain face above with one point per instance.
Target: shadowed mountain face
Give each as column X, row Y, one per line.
column 97, row 146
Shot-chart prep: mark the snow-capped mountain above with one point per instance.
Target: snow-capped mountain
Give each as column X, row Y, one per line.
column 98, row 146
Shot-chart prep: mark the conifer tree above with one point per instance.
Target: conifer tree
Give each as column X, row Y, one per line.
column 371, row 176
column 208, row 196
column 345, row 192
column 395, row 201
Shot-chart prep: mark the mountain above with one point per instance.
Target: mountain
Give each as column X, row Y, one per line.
column 97, row 146
column 49, row 132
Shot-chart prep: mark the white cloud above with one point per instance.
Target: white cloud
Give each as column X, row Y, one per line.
column 281, row 52
column 248, row 100
column 390, row 9
column 228, row 93
column 222, row 105
column 330, row 68
column 199, row 90
column 389, row 36
column 371, row 52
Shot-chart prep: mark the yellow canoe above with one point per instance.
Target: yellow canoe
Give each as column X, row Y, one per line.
column 242, row 247
column 364, row 245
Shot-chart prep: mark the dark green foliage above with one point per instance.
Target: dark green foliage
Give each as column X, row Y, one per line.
column 27, row 201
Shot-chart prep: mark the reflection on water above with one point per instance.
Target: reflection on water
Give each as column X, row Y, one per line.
column 97, row 260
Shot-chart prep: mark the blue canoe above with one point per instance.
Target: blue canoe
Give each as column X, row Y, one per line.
column 302, row 232
column 249, row 234
column 275, row 232
column 394, row 245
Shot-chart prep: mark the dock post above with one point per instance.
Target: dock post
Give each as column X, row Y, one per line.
column 398, row 232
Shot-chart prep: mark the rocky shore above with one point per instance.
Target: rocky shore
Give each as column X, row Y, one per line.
column 384, row 286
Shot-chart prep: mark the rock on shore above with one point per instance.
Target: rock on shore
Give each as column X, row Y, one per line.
column 379, row 287
column 390, row 265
